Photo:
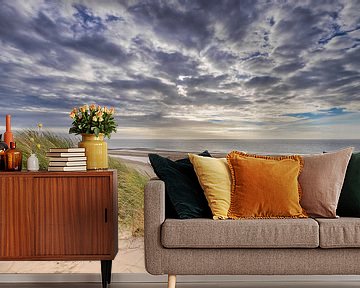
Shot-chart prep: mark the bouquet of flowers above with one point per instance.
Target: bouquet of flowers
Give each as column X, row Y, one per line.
column 93, row 120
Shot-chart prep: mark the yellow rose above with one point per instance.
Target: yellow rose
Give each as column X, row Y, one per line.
column 38, row 146
column 112, row 110
column 40, row 125
column 72, row 115
column 94, row 119
column 101, row 119
column 92, row 107
column 99, row 114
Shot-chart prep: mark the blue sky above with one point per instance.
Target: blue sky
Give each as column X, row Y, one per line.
column 185, row 69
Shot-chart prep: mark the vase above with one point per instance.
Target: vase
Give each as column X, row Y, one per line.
column 95, row 150
column 8, row 135
column 32, row 163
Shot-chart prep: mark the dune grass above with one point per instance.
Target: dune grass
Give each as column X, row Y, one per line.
column 27, row 141
column 130, row 182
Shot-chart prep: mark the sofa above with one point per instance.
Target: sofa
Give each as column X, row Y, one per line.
column 308, row 246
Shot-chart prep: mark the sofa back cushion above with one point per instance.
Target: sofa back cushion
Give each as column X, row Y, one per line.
column 265, row 187
column 184, row 197
column 215, row 179
column 321, row 181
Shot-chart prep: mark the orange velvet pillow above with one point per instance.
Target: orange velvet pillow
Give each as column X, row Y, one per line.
column 265, row 187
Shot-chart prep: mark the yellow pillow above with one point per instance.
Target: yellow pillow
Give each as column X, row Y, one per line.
column 215, row 179
column 265, row 187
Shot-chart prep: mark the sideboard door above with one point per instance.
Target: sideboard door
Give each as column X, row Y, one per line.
column 73, row 216
column 16, row 217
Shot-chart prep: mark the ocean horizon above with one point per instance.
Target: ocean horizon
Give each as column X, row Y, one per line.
column 268, row 146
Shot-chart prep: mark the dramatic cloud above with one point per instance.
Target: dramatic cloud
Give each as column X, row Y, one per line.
column 229, row 69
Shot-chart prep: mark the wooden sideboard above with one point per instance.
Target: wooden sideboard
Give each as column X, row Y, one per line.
column 59, row 216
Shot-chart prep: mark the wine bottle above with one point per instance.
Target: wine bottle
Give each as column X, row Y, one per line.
column 13, row 158
column 8, row 136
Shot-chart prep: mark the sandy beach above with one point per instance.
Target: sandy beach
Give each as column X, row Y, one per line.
column 130, row 259
column 139, row 160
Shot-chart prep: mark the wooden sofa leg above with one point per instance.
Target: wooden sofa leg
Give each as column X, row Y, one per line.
column 171, row 281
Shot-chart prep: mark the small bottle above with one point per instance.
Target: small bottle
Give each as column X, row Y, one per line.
column 32, row 163
column 8, row 135
column 3, row 148
column 13, row 158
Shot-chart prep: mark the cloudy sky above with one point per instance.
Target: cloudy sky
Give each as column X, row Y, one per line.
column 185, row 69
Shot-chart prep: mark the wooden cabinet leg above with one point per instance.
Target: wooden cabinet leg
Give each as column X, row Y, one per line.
column 105, row 272
column 109, row 271
column 171, row 281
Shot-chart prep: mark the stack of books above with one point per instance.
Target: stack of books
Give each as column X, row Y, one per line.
column 67, row 159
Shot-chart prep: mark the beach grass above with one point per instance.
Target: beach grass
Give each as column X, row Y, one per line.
column 130, row 182
column 131, row 185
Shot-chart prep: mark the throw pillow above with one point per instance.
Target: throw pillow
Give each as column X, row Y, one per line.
column 184, row 197
column 349, row 202
column 215, row 179
column 264, row 186
column 321, row 181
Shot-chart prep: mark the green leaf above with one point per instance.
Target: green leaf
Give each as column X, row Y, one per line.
column 96, row 131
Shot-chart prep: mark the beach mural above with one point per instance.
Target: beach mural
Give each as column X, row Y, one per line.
column 182, row 76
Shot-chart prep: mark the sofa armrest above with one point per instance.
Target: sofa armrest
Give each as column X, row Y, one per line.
column 154, row 216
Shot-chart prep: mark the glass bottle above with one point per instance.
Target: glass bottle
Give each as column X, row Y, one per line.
column 13, row 158
column 3, row 148
column 8, row 135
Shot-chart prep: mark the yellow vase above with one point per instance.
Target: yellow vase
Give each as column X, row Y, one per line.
column 95, row 151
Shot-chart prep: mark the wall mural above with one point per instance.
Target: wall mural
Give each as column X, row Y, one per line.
column 259, row 76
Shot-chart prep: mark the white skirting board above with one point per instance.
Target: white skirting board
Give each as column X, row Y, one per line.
column 147, row 278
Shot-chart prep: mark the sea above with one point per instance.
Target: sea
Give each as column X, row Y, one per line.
column 263, row 146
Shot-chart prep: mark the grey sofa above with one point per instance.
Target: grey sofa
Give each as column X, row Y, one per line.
column 246, row 247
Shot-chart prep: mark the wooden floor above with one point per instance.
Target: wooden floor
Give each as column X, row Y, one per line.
column 191, row 285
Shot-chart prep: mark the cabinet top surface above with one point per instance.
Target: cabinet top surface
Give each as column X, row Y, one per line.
column 64, row 174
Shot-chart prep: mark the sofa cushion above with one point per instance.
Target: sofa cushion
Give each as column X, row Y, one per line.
column 215, row 179
column 250, row 233
column 184, row 197
column 339, row 233
column 349, row 202
column 265, row 186
column 321, row 181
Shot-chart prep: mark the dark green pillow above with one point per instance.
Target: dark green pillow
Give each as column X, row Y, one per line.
column 184, row 197
column 349, row 202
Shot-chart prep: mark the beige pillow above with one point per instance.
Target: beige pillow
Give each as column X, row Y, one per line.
column 215, row 179
column 321, row 181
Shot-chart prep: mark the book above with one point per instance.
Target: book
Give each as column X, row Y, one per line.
column 74, row 168
column 68, row 163
column 65, row 154
column 72, row 149
column 66, row 159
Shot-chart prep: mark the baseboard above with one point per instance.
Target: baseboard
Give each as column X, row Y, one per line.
column 147, row 278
